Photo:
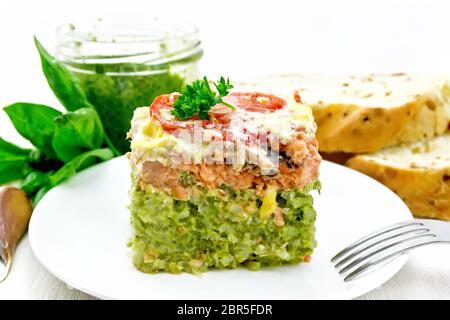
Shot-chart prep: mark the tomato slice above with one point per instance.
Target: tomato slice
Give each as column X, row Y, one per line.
column 219, row 114
column 256, row 101
column 160, row 110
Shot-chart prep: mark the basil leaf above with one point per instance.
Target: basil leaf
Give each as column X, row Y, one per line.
column 34, row 181
column 62, row 82
column 9, row 149
column 65, row 86
column 43, row 184
column 13, row 162
column 12, row 169
column 77, row 132
column 35, row 123
column 79, row 163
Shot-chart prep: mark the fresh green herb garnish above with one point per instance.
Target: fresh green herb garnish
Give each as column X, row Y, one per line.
column 66, row 86
column 63, row 84
column 64, row 144
column 35, row 123
column 13, row 162
column 197, row 98
column 77, row 132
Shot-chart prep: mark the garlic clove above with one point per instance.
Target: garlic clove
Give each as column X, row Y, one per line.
column 15, row 214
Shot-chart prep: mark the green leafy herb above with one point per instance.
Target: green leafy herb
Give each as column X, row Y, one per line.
column 65, row 85
column 79, row 163
column 12, row 169
column 65, row 144
column 35, row 123
column 8, row 149
column 197, row 98
column 77, row 132
column 34, row 181
column 37, row 184
column 13, row 162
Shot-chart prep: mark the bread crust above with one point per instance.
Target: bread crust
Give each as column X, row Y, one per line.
column 426, row 191
column 357, row 129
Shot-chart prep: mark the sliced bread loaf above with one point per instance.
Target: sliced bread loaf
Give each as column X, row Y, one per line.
column 419, row 173
column 359, row 114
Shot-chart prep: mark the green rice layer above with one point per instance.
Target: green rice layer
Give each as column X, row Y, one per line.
column 219, row 229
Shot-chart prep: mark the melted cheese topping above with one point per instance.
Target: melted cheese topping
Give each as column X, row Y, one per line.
column 151, row 142
column 282, row 124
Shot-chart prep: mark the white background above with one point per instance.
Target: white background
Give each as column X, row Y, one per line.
column 244, row 38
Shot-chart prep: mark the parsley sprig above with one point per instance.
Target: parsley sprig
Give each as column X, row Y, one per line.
column 197, row 98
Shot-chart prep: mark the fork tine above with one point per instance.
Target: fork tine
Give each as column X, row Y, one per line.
column 370, row 264
column 375, row 234
column 373, row 253
column 397, row 235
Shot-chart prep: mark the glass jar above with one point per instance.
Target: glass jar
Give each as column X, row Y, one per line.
column 122, row 66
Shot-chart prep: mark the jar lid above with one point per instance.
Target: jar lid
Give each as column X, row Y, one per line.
column 153, row 41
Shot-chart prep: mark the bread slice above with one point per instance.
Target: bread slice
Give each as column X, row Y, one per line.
column 365, row 113
column 419, row 173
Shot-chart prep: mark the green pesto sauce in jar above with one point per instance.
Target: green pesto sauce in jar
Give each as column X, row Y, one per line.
column 121, row 73
column 116, row 97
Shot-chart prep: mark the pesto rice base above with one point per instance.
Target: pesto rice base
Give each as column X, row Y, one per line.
column 219, row 229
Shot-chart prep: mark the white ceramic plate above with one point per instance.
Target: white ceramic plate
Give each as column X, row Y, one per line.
column 80, row 229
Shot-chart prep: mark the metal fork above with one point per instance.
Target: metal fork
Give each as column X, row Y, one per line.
column 387, row 244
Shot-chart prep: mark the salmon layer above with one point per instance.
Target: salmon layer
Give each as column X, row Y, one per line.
column 298, row 166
